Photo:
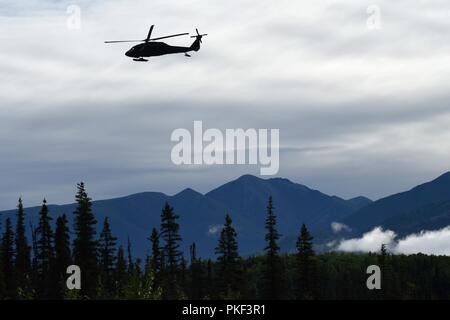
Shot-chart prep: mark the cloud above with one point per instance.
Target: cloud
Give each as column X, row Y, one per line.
column 214, row 229
column 369, row 242
column 338, row 227
column 435, row 242
column 74, row 108
column 429, row 242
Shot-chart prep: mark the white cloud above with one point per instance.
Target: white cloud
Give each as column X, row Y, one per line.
column 214, row 229
column 338, row 227
column 436, row 242
column 369, row 242
column 430, row 242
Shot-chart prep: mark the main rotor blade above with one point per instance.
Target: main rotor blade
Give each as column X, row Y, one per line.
column 174, row 35
column 149, row 33
column 124, row 41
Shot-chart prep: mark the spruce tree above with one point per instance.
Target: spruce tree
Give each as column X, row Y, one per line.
column 22, row 262
column 121, row 276
column 196, row 291
column 306, row 266
column 107, row 259
column 148, row 287
column 63, row 257
column 386, row 274
column 34, row 268
column 2, row 276
column 171, row 251
column 84, row 244
column 228, row 260
column 272, row 268
column 156, row 259
column 2, row 282
column 211, row 290
column 130, row 257
column 45, row 254
column 7, row 261
column 135, row 281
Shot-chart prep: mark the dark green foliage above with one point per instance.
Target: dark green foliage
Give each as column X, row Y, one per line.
column 228, row 260
column 306, row 266
column 210, row 287
column 85, row 245
column 273, row 280
column 171, row 252
column 7, row 261
column 22, row 262
column 156, row 259
column 63, row 257
column 45, row 255
column 120, row 274
column 196, row 288
column 107, row 258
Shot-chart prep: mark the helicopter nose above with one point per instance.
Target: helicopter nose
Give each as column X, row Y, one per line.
column 128, row 53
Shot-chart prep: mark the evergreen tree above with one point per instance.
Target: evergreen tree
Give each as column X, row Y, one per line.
column 228, row 260
column 196, row 291
column 272, row 269
column 22, row 262
column 149, row 290
column 386, row 274
column 306, row 266
column 34, row 268
column 7, row 261
column 156, row 259
column 62, row 254
column 121, row 276
column 2, row 282
column 45, row 254
column 85, row 245
column 130, row 257
column 107, row 258
column 2, row 277
column 211, row 292
column 171, row 250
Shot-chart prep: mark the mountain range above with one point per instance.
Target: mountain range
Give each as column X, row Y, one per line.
column 426, row 206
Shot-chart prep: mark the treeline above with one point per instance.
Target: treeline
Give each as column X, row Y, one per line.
column 109, row 271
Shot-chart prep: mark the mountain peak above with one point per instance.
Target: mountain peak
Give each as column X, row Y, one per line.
column 188, row 192
column 248, row 178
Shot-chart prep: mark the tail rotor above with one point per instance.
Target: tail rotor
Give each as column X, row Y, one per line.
column 199, row 36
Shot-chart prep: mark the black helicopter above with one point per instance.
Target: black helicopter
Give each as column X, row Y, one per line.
column 149, row 48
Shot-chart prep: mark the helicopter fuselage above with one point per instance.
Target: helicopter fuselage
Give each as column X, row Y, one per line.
column 152, row 49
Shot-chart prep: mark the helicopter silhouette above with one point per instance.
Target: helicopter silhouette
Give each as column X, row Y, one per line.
column 150, row 48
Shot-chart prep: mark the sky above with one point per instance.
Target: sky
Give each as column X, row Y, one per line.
column 358, row 90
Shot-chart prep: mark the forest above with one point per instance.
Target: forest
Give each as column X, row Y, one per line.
column 36, row 268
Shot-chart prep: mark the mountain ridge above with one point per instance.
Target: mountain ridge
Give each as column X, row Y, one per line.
column 245, row 198
column 136, row 214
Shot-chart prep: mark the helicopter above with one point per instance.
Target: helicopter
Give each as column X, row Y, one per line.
column 150, row 48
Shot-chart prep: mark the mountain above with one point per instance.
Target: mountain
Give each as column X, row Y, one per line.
column 359, row 202
column 430, row 217
column 294, row 203
column 201, row 216
column 426, row 206
column 399, row 209
column 135, row 215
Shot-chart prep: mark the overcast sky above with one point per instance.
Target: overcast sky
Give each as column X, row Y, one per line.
column 361, row 111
